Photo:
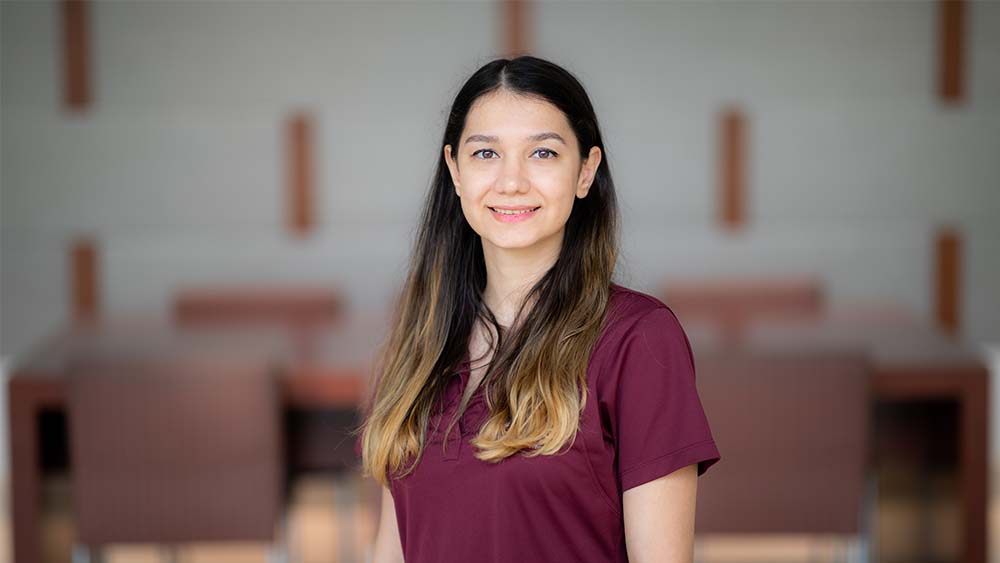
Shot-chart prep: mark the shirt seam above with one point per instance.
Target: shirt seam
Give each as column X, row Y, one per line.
column 600, row 374
column 658, row 303
column 593, row 471
column 635, row 295
column 674, row 452
column 645, row 340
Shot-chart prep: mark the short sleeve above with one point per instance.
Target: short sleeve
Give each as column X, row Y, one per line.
column 650, row 401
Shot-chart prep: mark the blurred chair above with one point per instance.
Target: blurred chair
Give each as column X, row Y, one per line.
column 175, row 452
column 741, row 298
column 793, row 429
column 317, row 437
column 294, row 306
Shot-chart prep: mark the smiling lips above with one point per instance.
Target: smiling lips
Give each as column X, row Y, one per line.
column 513, row 214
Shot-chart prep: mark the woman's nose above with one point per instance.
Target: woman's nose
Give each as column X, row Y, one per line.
column 513, row 177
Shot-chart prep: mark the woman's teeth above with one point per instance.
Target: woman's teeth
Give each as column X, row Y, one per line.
column 511, row 212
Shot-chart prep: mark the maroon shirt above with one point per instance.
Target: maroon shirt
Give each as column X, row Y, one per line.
column 643, row 420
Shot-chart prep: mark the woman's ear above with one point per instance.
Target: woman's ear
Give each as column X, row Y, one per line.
column 588, row 170
column 452, row 169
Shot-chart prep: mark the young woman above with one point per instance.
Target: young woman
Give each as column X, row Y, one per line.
column 526, row 407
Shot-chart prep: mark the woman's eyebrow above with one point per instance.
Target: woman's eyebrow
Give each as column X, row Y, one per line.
column 547, row 135
column 482, row 139
column 534, row 138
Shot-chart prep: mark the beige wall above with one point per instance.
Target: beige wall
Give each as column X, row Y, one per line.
column 178, row 167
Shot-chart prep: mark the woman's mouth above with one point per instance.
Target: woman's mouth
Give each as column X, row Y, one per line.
column 512, row 215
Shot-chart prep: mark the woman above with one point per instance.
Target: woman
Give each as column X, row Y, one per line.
column 526, row 408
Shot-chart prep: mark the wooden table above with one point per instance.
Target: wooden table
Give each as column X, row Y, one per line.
column 328, row 367
column 322, row 367
column 911, row 361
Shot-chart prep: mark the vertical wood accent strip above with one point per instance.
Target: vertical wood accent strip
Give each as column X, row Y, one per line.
column 732, row 169
column 951, row 50
column 948, row 279
column 76, row 54
column 300, row 175
column 84, row 280
column 517, row 32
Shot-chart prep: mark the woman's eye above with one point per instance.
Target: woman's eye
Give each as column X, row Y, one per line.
column 483, row 151
column 552, row 154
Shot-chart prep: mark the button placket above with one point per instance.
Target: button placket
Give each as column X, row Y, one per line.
column 474, row 415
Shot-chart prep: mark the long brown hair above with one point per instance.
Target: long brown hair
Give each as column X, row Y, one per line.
column 535, row 386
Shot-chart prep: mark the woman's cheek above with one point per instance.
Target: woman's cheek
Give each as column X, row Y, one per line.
column 471, row 218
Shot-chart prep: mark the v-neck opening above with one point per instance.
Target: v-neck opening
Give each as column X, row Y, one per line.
column 465, row 374
column 476, row 407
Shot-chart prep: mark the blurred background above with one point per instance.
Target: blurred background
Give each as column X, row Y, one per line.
column 207, row 209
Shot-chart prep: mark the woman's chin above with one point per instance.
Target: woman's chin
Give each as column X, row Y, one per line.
column 513, row 243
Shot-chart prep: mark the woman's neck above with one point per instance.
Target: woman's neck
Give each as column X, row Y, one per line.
column 510, row 274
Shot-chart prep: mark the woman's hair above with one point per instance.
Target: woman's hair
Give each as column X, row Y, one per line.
column 535, row 385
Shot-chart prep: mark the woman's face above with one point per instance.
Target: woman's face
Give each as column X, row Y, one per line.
column 519, row 155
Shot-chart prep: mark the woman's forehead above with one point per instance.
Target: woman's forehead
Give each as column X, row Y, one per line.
column 505, row 116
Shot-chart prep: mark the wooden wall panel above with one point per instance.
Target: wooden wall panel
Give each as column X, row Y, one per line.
column 84, row 280
column 76, row 54
column 948, row 279
column 951, row 50
column 517, row 27
column 301, row 217
column 732, row 169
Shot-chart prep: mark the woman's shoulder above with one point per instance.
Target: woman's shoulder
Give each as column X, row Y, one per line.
column 642, row 338
column 627, row 303
column 626, row 308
